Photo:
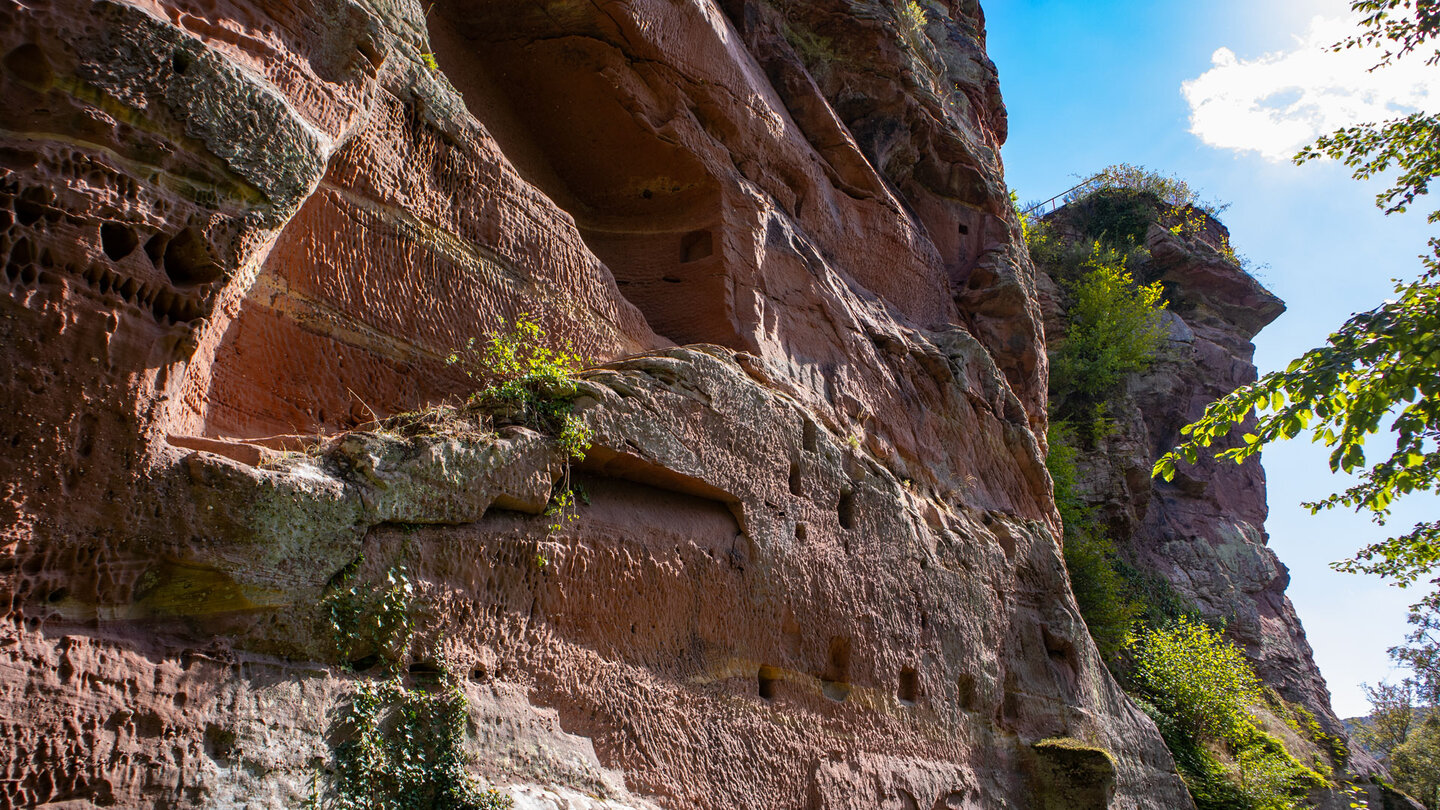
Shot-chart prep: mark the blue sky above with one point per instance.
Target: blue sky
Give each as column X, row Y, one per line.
column 1096, row 83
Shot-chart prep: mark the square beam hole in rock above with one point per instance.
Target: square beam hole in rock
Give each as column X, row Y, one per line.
column 846, row 509
column 909, row 686
column 768, row 680
column 697, row 245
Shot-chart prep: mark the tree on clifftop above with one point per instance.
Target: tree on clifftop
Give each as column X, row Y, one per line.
column 1382, row 367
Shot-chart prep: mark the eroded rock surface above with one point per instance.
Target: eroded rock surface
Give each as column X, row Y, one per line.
column 1204, row 533
column 818, row 568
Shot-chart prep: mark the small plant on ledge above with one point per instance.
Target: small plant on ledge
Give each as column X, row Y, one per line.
column 529, row 383
column 912, row 19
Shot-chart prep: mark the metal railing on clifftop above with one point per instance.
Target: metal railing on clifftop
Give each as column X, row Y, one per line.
column 1050, row 206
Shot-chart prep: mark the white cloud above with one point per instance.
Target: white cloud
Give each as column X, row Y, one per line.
column 1279, row 102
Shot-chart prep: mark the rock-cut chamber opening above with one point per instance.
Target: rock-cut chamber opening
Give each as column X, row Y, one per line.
column 579, row 120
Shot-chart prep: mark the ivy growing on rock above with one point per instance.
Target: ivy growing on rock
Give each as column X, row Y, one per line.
column 368, row 619
column 404, row 749
column 400, row 740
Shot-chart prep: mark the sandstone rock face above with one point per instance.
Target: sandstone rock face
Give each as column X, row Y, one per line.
column 818, row 567
column 1204, row 533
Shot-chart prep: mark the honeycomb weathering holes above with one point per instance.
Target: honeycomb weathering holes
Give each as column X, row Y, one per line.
column 188, row 261
column 118, row 241
column 28, row 64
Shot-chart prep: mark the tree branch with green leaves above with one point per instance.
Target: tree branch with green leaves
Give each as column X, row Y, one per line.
column 1381, row 369
column 1409, row 145
column 1403, row 24
column 1380, row 364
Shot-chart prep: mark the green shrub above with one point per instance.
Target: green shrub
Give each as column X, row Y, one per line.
column 1394, row 710
column 1040, row 239
column 1302, row 721
column 1115, row 329
column 1189, row 672
column 1061, row 464
column 1199, row 688
column 1115, row 218
column 1090, row 557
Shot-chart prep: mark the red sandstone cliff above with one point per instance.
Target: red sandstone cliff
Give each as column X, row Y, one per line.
column 1203, row 534
column 819, row 565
